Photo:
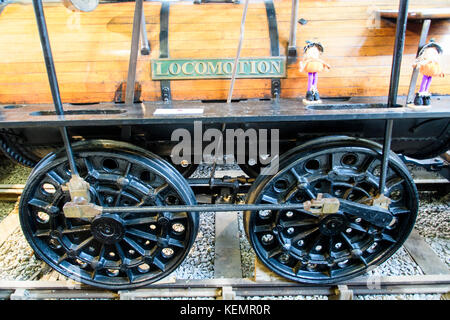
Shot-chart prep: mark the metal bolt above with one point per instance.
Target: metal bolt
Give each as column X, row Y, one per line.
column 311, row 266
column 178, row 227
column 264, row 214
column 167, row 252
column 267, row 238
column 289, row 214
column 318, row 248
column 184, row 163
column 348, row 230
column 284, row 258
column 290, row 230
column 373, row 246
column 251, row 162
column 338, row 245
column 109, row 199
column 152, row 227
column 358, row 220
column 300, row 243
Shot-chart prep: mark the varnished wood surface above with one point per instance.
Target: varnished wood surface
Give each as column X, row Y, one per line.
column 91, row 50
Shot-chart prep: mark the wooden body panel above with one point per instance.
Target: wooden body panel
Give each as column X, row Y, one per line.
column 91, row 50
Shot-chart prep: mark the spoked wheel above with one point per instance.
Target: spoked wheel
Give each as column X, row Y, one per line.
column 333, row 247
column 114, row 251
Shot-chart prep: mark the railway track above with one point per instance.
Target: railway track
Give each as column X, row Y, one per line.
column 228, row 288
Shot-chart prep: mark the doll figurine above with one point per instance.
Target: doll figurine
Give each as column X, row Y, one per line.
column 428, row 63
column 312, row 64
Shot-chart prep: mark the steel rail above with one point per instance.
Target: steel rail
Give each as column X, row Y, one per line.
column 241, row 287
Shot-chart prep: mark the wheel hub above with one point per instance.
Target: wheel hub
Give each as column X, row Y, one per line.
column 107, row 229
column 333, row 224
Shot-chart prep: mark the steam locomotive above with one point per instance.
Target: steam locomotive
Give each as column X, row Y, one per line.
column 107, row 205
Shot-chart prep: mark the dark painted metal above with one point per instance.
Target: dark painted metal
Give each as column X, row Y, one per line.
column 334, row 247
column 166, row 95
column 145, row 44
column 53, row 81
column 398, row 52
column 274, row 43
column 110, row 251
column 399, row 45
column 254, row 111
column 134, row 51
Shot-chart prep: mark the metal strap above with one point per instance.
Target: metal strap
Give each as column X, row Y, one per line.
column 164, row 48
column 274, row 43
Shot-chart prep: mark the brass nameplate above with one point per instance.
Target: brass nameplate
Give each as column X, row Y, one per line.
column 219, row 68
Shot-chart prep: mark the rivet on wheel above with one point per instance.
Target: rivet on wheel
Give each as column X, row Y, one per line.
column 358, row 220
column 338, row 245
column 348, row 230
column 318, row 248
column 152, row 227
column 267, row 238
column 372, row 247
column 289, row 214
column 109, row 199
column 342, row 263
column 264, row 214
column 167, row 252
column 284, row 258
column 311, row 266
column 178, row 227
column 300, row 243
column 290, row 230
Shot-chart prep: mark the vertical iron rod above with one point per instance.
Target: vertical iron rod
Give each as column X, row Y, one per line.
column 398, row 52
column 52, row 79
column 238, row 53
column 145, row 45
column 423, row 39
column 292, row 47
column 393, row 88
column 131, row 79
column 386, row 151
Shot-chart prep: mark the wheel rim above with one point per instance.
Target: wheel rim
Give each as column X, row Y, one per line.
column 112, row 250
column 302, row 247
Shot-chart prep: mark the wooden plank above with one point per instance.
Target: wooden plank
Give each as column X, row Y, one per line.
column 227, row 262
column 424, row 255
column 262, row 273
column 9, row 224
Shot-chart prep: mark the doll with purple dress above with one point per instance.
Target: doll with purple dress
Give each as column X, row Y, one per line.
column 312, row 64
column 428, row 62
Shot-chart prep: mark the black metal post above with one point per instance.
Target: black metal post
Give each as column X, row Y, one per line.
column 131, row 79
column 398, row 51
column 393, row 87
column 53, row 81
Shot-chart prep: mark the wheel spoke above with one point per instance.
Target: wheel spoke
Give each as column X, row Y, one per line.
column 142, row 234
column 77, row 229
column 272, row 253
column 135, row 246
column 304, row 234
column 263, row 228
column 357, row 227
column 83, row 244
column 43, row 205
column 269, row 199
column 301, row 223
column 159, row 263
column 143, row 220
